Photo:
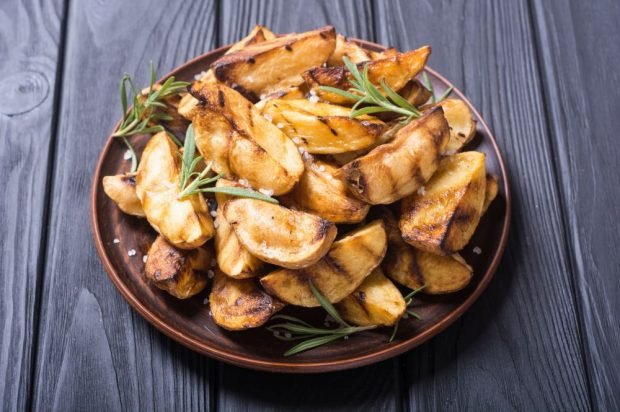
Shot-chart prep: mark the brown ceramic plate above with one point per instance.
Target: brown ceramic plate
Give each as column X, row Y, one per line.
column 189, row 323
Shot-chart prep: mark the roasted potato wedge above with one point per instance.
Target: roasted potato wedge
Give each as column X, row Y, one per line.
column 338, row 274
column 394, row 170
column 182, row 273
column 443, row 218
column 275, row 234
column 462, row 124
column 186, row 222
column 395, row 70
column 257, row 150
column 350, row 49
column 290, row 93
column 268, row 66
column 391, row 52
column 322, row 128
column 415, row 268
column 122, row 190
column 321, row 193
column 490, row 192
column 416, row 94
column 375, row 302
column 238, row 304
column 232, row 258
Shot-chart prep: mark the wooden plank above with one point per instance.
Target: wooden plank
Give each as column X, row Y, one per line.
column 30, row 37
column 519, row 347
column 94, row 350
column 579, row 50
column 371, row 388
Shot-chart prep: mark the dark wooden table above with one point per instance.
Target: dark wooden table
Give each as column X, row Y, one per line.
column 544, row 336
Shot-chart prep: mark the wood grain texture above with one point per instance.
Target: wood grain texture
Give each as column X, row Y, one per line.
column 579, row 53
column 30, row 33
column 519, row 346
column 92, row 346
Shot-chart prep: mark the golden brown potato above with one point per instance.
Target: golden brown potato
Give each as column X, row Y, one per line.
column 338, row 274
column 395, row 70
column 232, row 258
column 444, row 216
column 461, row 122
column 238, row 304
column 186, row 222
column 396, row 169
column 182, row 273
column 257, row 150
column 278, row 235
column 416, row 94
column 345, row 47
column 375, row 302
column 289, row 93
column 490, row 192
column 323, row 128
column 122, row 190
column 275, row 64
column 391, row 52
column 321, row 193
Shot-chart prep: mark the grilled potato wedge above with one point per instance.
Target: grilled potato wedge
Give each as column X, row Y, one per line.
column 338, row 274
column 238, row 304
column 232, row 258
column 275, row 64
column 415, row 268
column 490, row 192
column 461, row 122
column 278, row 235
column 122, row 190
column 416, row 94
column 391, row 52
column 321, row 193
column 395, row 70
column 394, row 170
column 375, row 302
column 352, row 50
column 185, row 223
column 290, row 93
column 443, row 219
column 182, row 273
column 323, row 128
column 257, row 150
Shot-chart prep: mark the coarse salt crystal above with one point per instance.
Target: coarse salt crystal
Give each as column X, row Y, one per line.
column 127, row 155
column 422, row 191
column 263, row 244
column 450, row 152
column 216, row 224
column 116, row 240
column 244, row 182
column 266, row 192
column 210, row 314
column 213, row 213
column 312, row 92
column 346, row 337
column 199, row 76
column 267, row 116
column 205, row 301
column 306, row 155
column 313, row 98
column 213, row 262
column 280, row 125
column 321, row 168
column 477, row 250
column 288, row 335
column 131, row 252
column 210, row 274
column 144, row 258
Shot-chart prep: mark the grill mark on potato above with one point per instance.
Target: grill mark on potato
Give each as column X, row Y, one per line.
column 129, row 178
column 336, row 266
column 288, row 47
column 324, row 227
column 220, row 98
column 251, row 60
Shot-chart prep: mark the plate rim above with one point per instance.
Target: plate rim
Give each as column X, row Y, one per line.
column 375, row 356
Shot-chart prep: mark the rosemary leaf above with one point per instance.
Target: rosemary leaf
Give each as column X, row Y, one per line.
column 312, row 343
column 326, row 304
column 240, row 192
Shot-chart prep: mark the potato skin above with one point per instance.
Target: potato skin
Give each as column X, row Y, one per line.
column 239, row 304
column 181, row 273
column 320, row 192
column 350, row 49
column 490, row 192
column 278, row 235
column 443, row 219
column 375, row 302
column 337, row 274
column 122, row 190
column 185, row 223
column 462, row 124
column 232, row 258
column 275, row 64
column 415, row 93
column 394, row 170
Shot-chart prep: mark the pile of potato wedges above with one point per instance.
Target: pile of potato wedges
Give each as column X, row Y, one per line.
column 364, row 204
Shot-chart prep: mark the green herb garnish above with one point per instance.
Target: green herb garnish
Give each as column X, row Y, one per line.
column 429, row 85
column 193, row 181
column 146, row 109
column 296, row 329
column 365, row 93
column 408, row 301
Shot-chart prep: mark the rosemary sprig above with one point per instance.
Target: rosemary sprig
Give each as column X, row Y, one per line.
column 147, row 110
column 363, row 92
column 193, row 181
column 408, row 301
column 296, row 329
column 429, row 85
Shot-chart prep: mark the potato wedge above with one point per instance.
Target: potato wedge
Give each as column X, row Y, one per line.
column 321, row 193
column 290, row 93
column 395, row 70
column 232, row 258
column 350, row 49
column 322, row 128
column 348, row 262
column 490, row 192
column 278, row 235
column 122, row 190
column 238, row 304
column 462, row 124
column 275, row 64
column 182, row 273
column 375, row 302
column 257, row 150
column 185, row 223
column 390, row 52
column 394, row 170
column 443, row 218
column 416, row 94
